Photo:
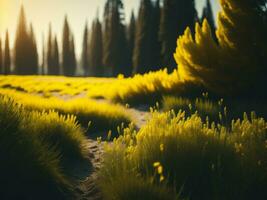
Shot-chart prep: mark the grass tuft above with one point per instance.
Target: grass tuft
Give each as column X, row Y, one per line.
column 32, row 148
column 202, row 160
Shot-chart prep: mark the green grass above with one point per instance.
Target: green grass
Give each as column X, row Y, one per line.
column 33, row 146
column 198, row 160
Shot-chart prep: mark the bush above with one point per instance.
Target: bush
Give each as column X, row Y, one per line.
column 236, row 64
column 202, row 160
column 31, row 165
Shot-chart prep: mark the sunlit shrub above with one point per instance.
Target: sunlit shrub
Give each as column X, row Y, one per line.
column 235, row 64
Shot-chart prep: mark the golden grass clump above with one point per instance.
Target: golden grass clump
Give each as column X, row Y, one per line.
column 33, row 148
column 102, row 115
column 198, row 160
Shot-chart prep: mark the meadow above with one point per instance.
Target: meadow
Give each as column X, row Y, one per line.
column 191, row 147
column 181, row 115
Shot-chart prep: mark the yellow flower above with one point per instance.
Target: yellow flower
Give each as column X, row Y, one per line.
column 109, row 134
column 156, row 164
column 161, row 178
column 99, row 139
column 161, row 147
column 160, row 169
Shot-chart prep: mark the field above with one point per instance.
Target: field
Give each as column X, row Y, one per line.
column 88, row 135
column 166, row 103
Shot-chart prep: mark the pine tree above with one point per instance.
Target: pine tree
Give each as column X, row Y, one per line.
column 55, row 60
column 73, row 56
column 85, row 53
column 26, row 57
column 1, row 57
column 176, row 16
column 142, row 58
column 49, row 53
column 114, row 56
column 7, row 59
column 21, row 62
column 237, row 64
column 43, row 57
column 208, row 14
column 33, row 54
column 131, row 40
column 156, row 46
column 67, row 64
column 96, row 50
column 66, row 48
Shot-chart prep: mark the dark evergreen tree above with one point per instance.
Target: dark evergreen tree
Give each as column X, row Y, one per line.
column 26, row 57
column 156, row 46
column 131, row 40
column 55, row 58
column 22, row 46
column 176, row 16
column 7, row 59
column 1, row 57
column 208, row 14
column 85, row 53
column 33, row 54
column 42, row 70
column 115, row 55
column 67, row 57
column 49, row 54
column 73, row 56
column 96, row 50
column 142, row 57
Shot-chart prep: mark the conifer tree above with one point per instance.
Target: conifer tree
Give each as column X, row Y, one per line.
column 7, row 59
column 42, row 70
column 49, row 53
column 56, row 65
column 21, row 43
column 85, row 53
column 176, row 16
column 115, row 56
column 142, row 58
column 131, row 41
column 67, row 63
column 33, row 54
column 156, row 46
column 237, row 64
column 208, row 14
column 96, row 50
column 26, row 57
column 73, row 56
column 1, row 57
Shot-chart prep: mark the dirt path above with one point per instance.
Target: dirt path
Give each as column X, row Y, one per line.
column 87, row 188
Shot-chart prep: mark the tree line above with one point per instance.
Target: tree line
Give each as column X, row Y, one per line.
column 110, row 47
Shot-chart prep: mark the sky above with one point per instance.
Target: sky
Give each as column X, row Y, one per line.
column 41, row 12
